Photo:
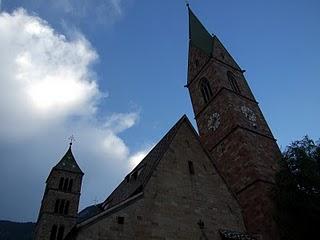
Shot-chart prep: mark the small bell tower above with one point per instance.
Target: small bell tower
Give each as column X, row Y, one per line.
column 60, row 202
column 232, row 128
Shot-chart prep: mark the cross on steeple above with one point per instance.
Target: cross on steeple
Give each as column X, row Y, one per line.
column 71, row 139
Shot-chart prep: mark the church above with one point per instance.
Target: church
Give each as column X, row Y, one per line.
column 215, row 183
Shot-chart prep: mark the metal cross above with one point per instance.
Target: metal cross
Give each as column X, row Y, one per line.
column 71, row 139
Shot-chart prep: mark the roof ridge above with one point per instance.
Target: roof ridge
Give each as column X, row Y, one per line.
column 173, row 130
column 132, row 183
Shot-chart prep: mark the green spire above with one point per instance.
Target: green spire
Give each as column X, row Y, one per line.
column 68, row 162
column 198, row 35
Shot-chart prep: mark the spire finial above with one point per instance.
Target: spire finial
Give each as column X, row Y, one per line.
column 187, row 3
column 71, row 139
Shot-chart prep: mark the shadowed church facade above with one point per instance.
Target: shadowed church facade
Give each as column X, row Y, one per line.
column 215, row 184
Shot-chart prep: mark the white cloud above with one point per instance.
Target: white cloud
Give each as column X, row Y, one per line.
column 114, row 147
column 121, row 121
column 45, row 78
column 117, row 6
column 48, row 91
column 46, row 81
column 136, row 158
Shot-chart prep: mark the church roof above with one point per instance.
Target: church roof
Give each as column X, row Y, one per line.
column 68, row 163
column 198, row 34
column 89, row 212
column 136, row 180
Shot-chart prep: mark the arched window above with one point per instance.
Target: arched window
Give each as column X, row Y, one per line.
column 233, row 82
column 70, row 185
column 66, row 208
column 61, row 208
column 205, row 89
column 65, row 185
column 191, row 168
column 56, row 206
column 61, row 183
column 53, row 232
column 60, row 233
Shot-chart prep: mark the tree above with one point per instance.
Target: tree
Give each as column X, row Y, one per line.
column 298, row 191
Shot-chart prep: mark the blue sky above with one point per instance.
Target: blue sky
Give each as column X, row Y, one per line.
column 112, row 73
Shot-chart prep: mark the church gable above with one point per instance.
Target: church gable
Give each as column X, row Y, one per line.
column 181, row 196
column 136, row 180
column 186, row 191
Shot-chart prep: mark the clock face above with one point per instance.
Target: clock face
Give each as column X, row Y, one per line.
column 248, row 113
column 214, row 121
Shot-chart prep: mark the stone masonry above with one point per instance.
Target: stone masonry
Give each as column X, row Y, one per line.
column 174, row 201
column 242, row 147
column 58, row 189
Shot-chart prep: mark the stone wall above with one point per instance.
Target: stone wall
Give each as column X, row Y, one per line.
column 47, row 217
column 241, row 144
column 174, row 200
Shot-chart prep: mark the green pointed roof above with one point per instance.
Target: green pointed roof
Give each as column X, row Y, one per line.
column 68, row 163
column 198, row 34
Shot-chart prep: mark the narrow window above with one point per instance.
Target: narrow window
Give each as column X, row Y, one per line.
column 56, row 206
column 65, row 185
column 120, row 220
column 53, row 232
column 201, row 224
column 204, row 95
column 66, row 208
column 70, row 185
column 135, row 175
column 205, row 168
column 139, row 171
column 205, row 89
column 191, row 168
column 61, row 183
column 61, row 208
column 233, row 82
column 60, row 233
column 127, row 178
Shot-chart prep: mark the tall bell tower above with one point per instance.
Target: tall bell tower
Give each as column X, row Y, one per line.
column 60, row 202
column 232, row 128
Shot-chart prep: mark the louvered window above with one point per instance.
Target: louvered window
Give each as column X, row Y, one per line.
column 233, row 82
column 60, row 233
column 61, row 183
column 53, row 232
column 205, row 90
column 191, row 168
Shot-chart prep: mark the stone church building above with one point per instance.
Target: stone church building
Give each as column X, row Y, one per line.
column 212, row 184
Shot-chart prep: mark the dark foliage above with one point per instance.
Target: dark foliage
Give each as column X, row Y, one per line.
column 298, row 191
column 16, row 231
